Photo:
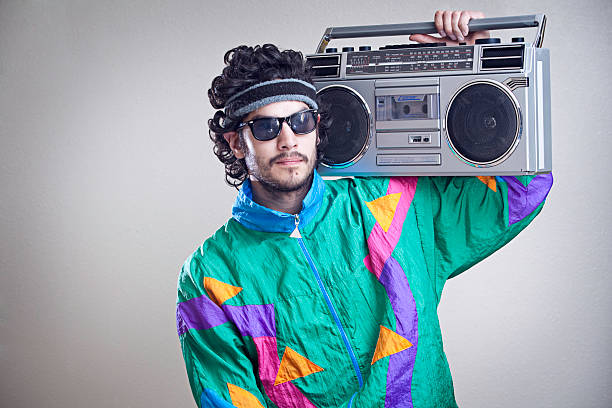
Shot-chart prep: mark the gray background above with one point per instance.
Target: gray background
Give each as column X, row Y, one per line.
column 108, row 182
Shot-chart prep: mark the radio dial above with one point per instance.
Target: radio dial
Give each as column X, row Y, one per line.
column 348, row 49
column 330, row 50
column 365, row 48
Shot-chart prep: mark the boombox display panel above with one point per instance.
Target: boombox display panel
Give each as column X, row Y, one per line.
column 461, row 110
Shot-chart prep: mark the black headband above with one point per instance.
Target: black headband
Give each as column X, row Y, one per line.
column 264, row 93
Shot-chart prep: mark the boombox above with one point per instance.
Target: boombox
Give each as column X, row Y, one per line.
column 433, row 109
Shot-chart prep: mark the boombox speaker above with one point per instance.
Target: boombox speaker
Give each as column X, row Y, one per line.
column 433, row 109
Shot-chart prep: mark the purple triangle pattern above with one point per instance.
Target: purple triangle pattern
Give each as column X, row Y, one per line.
column 522, row 200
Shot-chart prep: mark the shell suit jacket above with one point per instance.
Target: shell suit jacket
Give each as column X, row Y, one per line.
column 342, row 312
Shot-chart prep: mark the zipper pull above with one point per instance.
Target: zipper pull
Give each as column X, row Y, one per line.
column 296, row 231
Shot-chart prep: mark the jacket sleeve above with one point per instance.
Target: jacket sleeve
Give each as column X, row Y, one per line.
column 220, row 371
column 465, row 219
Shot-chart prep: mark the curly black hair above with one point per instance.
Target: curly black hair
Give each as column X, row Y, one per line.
column 247, row 66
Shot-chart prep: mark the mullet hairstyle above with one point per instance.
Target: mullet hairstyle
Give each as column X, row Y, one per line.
column 247, row 66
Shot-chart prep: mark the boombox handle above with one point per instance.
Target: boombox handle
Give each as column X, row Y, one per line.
column 480, row 24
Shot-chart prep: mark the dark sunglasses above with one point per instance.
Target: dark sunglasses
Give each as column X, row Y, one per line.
column 300, row 123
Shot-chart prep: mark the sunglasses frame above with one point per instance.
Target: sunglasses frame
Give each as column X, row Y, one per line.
column 286, row 119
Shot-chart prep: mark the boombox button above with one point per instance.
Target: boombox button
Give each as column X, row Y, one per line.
column 492, row 40
column 408, row 159
column 401, row 140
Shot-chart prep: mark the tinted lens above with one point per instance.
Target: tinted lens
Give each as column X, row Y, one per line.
column 265, row 128
column 303, row 122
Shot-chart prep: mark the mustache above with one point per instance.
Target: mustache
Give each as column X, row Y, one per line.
column 293, row 155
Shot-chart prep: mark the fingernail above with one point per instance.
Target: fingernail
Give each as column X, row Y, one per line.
column 461, row 38
column 452, row 37
column 442, row 34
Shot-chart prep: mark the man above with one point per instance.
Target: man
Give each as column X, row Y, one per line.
column 324, row 293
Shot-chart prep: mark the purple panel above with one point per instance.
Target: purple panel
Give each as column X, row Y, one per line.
column 181, row 327
column 396, row 284
column 401, row 365
column 523, row 200
column 252, row 320
column 198, row 313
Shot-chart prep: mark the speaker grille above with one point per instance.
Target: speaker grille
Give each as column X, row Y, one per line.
column 324, row 66
column 483, row 123
column 349, row 133
column 502, row 57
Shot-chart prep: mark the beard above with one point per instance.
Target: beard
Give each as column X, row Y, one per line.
column 278, row 179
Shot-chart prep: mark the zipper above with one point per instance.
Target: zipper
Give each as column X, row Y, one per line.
column 328, row 301
column 296, row 231
column 350, row 404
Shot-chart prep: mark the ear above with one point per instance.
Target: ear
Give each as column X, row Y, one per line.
column 317, row 129
column 233, row 139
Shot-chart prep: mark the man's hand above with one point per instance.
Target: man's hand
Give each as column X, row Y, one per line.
column 453, row 28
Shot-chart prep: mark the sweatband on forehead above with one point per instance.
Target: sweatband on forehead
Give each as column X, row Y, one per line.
column 264, row 93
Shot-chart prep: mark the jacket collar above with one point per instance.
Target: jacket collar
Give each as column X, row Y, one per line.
column 257, row 217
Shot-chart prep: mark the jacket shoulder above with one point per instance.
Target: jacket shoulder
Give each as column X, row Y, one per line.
column 367, row 188
column 213, row 258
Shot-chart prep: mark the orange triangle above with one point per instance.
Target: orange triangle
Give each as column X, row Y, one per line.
column 241, row 398
column 489, row 181
column 389, row 342
column 383, row 209
column 294, row 365
column 218, row 291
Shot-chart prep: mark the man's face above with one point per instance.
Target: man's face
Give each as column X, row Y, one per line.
column 285, row 163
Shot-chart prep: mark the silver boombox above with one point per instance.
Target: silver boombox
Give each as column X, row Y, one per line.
column 432, row 109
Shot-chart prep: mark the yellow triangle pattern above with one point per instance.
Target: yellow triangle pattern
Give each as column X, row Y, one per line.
column 241, row 398
column 294, row 365
column 218, row 291
column 489, row 181
column 383, row 209
column 389, row 342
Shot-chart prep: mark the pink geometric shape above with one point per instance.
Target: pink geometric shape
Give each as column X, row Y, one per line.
column 380, row 243
column 285, row 394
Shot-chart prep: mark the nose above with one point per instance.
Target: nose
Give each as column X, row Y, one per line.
column 286, row 140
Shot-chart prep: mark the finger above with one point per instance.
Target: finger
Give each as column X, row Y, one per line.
column 448, row 27
column 425, row 38
column 455, row 23
column 439, row 23
column 477, row 14
column 474, row 35
column 464, row 19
